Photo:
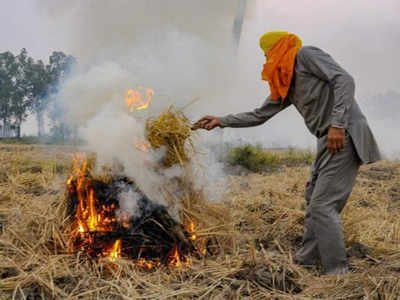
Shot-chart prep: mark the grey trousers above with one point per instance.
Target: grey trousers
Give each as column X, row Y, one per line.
column 331, row 182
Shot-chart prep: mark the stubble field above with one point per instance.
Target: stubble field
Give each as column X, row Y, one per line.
column 263, row 222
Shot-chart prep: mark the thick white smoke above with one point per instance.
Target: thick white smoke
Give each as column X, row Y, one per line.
column 183, row 50
column 137, row 44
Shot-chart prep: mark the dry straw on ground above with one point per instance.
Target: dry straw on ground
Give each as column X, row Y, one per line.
column 254, row 259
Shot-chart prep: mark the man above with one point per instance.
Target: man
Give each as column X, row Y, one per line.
column 323, row 93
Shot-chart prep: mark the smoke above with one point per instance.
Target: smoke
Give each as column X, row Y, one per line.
column 180, row 49
column 183, row 50
column 129, row 203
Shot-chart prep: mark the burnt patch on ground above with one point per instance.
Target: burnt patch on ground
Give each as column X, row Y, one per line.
column 8, row 272
column 66, row 283
column 358, row 250
column 271, row 277
column 394, row 196
column 379, row 173
column 3, row 176
column 32, row 169
column 2, row 223
column 34, row 188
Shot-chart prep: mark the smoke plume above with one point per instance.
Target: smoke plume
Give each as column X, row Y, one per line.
column 183, row 50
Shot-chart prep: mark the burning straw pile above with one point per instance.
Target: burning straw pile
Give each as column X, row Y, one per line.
column 150, row 236
column 100, row 229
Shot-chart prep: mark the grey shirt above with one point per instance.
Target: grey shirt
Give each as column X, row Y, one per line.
column 323, row 93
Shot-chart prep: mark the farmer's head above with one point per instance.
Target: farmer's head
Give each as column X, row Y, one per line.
column 270, row 39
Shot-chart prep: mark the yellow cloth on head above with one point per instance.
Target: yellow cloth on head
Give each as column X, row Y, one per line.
column 281, row 57
column 269, row 39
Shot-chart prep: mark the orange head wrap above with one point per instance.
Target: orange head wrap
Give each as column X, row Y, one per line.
column 278, row 70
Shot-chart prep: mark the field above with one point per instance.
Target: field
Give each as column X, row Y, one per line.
column 264, row 220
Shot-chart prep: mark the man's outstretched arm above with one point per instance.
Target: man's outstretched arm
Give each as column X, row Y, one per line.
column 247, row 119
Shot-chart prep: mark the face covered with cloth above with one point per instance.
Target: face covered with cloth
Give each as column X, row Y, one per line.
column 280, row 48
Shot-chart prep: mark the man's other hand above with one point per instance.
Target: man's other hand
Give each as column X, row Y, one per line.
column 336, row 138
column 208, row 123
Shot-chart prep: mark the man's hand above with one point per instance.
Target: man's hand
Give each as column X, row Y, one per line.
column 336, row 138
column 208, row 123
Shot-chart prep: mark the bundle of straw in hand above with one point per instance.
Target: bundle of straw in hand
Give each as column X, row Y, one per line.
column 170, row 129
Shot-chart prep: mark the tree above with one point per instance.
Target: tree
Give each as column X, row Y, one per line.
column 27, row 86
column 20, row 101
column 59, row 68
column 8, row 71
column 38, row 78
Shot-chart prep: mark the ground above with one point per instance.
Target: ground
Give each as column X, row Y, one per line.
column 264, row 215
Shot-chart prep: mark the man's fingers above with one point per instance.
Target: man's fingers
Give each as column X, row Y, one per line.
column 204, row 121
column 210, row 125
column 335, row 145
column 208, row 122
column 337, row 148
column 330, row 146
column 339, row 144
column 207, row 118
column 336, row 139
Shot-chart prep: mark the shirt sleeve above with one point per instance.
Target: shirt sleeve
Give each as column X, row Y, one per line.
column 322, row 65
column 256, row 117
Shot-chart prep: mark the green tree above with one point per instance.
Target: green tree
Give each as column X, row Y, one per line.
column 20, row 101
column 59, row 68
column 8, row 72
column 28, row 86
column 39, row 78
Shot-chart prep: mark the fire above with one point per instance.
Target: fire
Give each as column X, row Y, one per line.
column 199, row 243
column 101, row 229
column 175, row 259
column 115, row 250
column 143, row 145
column 88, row 219
column 191, row 229
column 147, row 264
column 138, row 99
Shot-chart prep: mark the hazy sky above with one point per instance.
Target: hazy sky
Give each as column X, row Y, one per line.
column 23, row 26
column 363, row 36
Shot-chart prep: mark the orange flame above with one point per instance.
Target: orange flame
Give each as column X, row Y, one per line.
column 115, row 251
column 91, row 217
column 199, row 243
column 138, row 99
column 88, row 218
column 143, row 145
column 175, row 259
column 191, row 229
column 147, row 264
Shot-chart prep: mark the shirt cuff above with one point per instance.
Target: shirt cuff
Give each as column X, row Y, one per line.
column 223, row 121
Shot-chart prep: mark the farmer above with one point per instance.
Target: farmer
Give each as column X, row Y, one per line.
column 323, row 93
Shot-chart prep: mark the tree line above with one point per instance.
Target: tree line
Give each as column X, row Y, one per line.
column 28, row 86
